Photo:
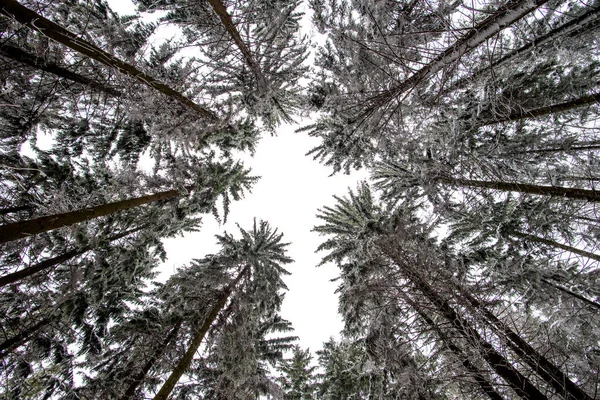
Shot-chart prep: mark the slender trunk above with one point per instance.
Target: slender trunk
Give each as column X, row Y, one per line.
column 51, row 262
column 11, row 210
column 572, row 27
column 31, row 19
column 483, row 383
column 186, row 360
column 592, row 145
column 558, row 191
column 571, row 293
column 519, row 383
column 35, row 226
column 552, row 243
column 221, row 11
column 38, row 62
column 138, row 378
column 538, row 363
column 18, row 340
column 586, row 219
column 504, row 17
column 541, row 111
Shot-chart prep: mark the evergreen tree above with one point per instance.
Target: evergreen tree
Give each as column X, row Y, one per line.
column 252, row 48
column 373, row 249
column 30, row 18
column 238, row 346
column 298, row 376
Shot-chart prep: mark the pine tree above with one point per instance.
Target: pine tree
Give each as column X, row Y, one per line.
column 253, row 49
column 298, row 376
column 251, row 299
column 361, row 233
column 25, row 16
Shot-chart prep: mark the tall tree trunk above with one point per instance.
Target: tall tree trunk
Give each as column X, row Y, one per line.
column 221, row 11
column 574, row 148
column 541, row 111
column 38, row 62
column 563, row 289
column 186, row 360
column 18, row 340
column 138, row 378
column 558, row 191
column 51, row 262
column 483, row 383
column 538, row 363
column 573, row 27
column 552, row 243
column 519, row 383
column 31, row 19
column 35, row 226
column 505, row 16
column 591, row 221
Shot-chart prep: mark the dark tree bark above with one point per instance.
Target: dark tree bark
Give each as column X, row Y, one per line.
column 16, row 54
column 138, row 378
column 505, row 16
column 519, row 383
column 35, row 226
column 558, row 191
column 31, row 19
column 576, row 147
column 18, row 340
column 552, row 243
column 483, row 383
column 201, row 331
column 221, row 11
column 563, row 289
column 538, row 363
column 573, row 27
column 51, row 262
column 541, row 111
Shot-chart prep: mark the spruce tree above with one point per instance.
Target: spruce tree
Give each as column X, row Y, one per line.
column 368, row 246
column 298, row 376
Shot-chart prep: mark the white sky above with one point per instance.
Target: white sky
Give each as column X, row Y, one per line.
column 291, row 189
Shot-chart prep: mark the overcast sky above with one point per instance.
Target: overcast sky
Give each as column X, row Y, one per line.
column 291, row 189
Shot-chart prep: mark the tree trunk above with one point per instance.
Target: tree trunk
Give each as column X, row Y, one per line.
column 38, row 62
column 138, row 378
column 572, row 27
column 552, row 243
column 186, row 360
column 10, row 344
column 31, row 19
column 505, row 16
column 483, row 383
column 35, row 226
column 519, row 383
column 51, row 262
column 571, row 293
column 538, row 363
column 576, row 147
column 227, row 22
column 567, row 192
column 591, row 221
column 561, row 150
column 541, row 111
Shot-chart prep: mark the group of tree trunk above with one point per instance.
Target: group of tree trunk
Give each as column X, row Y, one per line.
column 474, row 274
column 477, row 255
column 139, row 146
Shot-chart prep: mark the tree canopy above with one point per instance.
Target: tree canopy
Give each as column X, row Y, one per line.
column 467, row 262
